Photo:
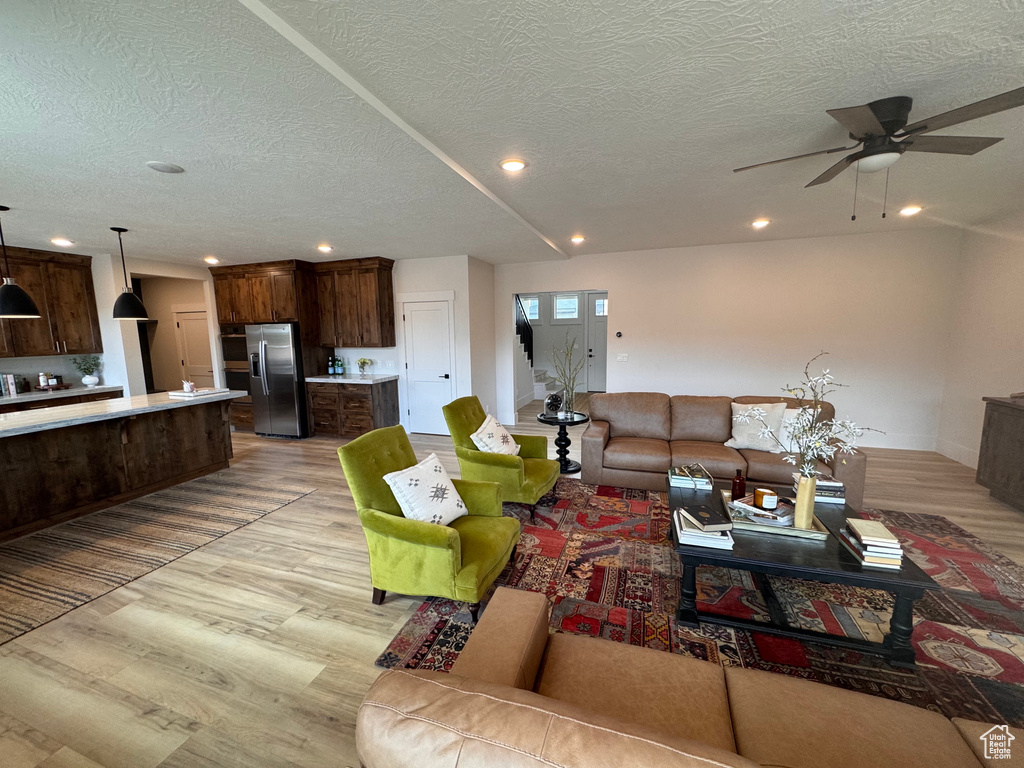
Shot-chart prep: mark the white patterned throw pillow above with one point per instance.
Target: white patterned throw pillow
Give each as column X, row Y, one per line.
column 789, row 445
column 494, row 438
column 425, row 492
column 748, row 431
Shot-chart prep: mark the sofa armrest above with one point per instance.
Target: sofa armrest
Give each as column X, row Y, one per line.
column 592, row 444
column 851, row 469
column 435, row 720
column 508, row 642
column 532, row 446
column 482, row 498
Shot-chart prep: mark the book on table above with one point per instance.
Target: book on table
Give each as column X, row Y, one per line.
column 782, row 515
column 706, row 518
column 744, row 520
column 825, row 481
column 689, row 535
column 872, row 532
column 690, row 476
column 826, row 491
column 866, row 558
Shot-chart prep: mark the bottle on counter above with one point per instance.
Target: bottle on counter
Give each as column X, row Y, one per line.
column 330, row 365
column 340, row 366
column 739, row 485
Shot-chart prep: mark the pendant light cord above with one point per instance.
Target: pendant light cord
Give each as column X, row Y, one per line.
column 885, row 199
column 856, row 186
column 123, row 267
column 7, row 266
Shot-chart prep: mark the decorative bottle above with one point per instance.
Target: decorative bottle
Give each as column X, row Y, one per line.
column 739, row 485
column 332, row 366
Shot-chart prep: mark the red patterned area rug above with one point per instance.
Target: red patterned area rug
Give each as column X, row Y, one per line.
column 602, row 556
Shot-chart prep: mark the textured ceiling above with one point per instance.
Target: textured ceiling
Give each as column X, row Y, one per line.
column 631, row 116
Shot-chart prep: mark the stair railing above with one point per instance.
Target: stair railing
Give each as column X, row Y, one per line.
column 523, row 329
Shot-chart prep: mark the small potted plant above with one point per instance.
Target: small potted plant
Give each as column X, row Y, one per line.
column 364, row 363
column 87, row 365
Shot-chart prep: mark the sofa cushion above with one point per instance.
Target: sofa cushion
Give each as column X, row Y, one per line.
column 972, row 731
column 633, row 414
column 674, row 694
column 637, row 453
column 435, row 719
column 828, row 410
column 747, row 428
column 716, row 458
column 701, row 418
column 772, row 467
column 785, row 721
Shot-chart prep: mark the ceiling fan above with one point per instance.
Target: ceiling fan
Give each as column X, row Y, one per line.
column 880, row 130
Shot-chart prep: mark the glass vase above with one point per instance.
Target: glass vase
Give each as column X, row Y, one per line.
column 804, row 514
column 568, row 402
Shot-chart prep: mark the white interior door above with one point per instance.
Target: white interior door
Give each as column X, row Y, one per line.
column 428, row 357
column 597, row 341
column 193, row 335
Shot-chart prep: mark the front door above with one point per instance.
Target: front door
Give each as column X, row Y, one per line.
column 194, row 348
column 597, row 341
column 428, row 357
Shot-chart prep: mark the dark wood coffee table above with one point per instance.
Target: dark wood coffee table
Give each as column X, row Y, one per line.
column 826, row 561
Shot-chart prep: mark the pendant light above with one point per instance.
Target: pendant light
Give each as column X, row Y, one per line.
column 128, row 306
column 14, row 302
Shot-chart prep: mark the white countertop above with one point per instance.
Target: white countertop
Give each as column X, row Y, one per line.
column 370, row 378
column 59, row 416
column 57, row 394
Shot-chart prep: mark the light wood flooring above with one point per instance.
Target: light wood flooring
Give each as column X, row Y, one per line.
column 256, row 649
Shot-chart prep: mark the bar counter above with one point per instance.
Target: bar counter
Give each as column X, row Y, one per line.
column 62, row 462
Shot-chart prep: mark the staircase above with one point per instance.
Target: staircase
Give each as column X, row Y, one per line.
column 543, row 384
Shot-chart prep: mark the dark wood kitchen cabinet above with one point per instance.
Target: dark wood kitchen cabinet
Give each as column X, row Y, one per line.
column 61, row 285
column 273, row 292
column 357, row 303
column 6, row 343
column 345, row 409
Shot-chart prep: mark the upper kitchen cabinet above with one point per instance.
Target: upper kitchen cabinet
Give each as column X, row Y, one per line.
column 272, row 292
column 357, row 303
column 62, row 288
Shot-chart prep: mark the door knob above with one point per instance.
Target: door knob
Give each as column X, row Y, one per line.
column 443, row 377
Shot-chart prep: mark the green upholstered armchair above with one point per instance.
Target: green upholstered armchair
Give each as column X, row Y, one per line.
column 411, row 557
column 523, row 478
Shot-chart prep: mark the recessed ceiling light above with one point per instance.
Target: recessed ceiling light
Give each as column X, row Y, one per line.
column 577, row 239
column 324, row 248
column 63, row 242
column 513, row 164
column 760, row 223
column 211, row 260
column 162, row 167
column 910, row 210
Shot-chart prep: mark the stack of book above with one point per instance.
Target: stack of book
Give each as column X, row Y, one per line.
column 692, row 535
column 872, row 543
column 8, row 384
column 782, row 515
column 690, row 476
column 827, row 491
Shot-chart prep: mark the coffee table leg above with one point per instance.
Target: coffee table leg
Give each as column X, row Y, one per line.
column 901, row 627
column 687, row 613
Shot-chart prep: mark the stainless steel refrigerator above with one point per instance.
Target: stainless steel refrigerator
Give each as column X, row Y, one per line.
column 275, row 380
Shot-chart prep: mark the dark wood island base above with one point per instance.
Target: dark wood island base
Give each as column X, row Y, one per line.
column 61, row 472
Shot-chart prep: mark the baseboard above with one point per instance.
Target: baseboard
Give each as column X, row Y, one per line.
column 957, row 452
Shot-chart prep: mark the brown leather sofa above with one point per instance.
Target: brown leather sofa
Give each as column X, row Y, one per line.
column 518, row 697
column 635, row 437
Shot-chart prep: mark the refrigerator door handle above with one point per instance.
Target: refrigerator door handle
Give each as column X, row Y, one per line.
column 263, row 370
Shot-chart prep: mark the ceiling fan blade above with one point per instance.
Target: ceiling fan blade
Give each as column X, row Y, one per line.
column 796, row 157
column 831, row 173
column 859, row 121
column 948, row 145
column 1000, row 103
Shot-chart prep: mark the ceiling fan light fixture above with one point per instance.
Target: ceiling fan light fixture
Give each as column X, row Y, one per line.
column 910, row 210
column 877, row 162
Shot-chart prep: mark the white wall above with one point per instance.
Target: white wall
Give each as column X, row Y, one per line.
column 163, row 296
column 986, row 347
column 481, row 332
column 745, row 318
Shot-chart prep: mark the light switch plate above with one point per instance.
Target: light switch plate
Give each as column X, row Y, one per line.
column 622, row 359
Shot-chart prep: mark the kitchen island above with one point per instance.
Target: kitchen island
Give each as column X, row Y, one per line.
column 62, row 462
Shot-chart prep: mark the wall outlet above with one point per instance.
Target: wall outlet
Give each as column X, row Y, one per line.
column 622, row 358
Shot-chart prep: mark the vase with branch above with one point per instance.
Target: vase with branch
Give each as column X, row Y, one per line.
column 88, row 365
column 567, row 371
column 811, row 437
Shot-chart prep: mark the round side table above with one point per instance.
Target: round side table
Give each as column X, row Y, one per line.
column 562, row 441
